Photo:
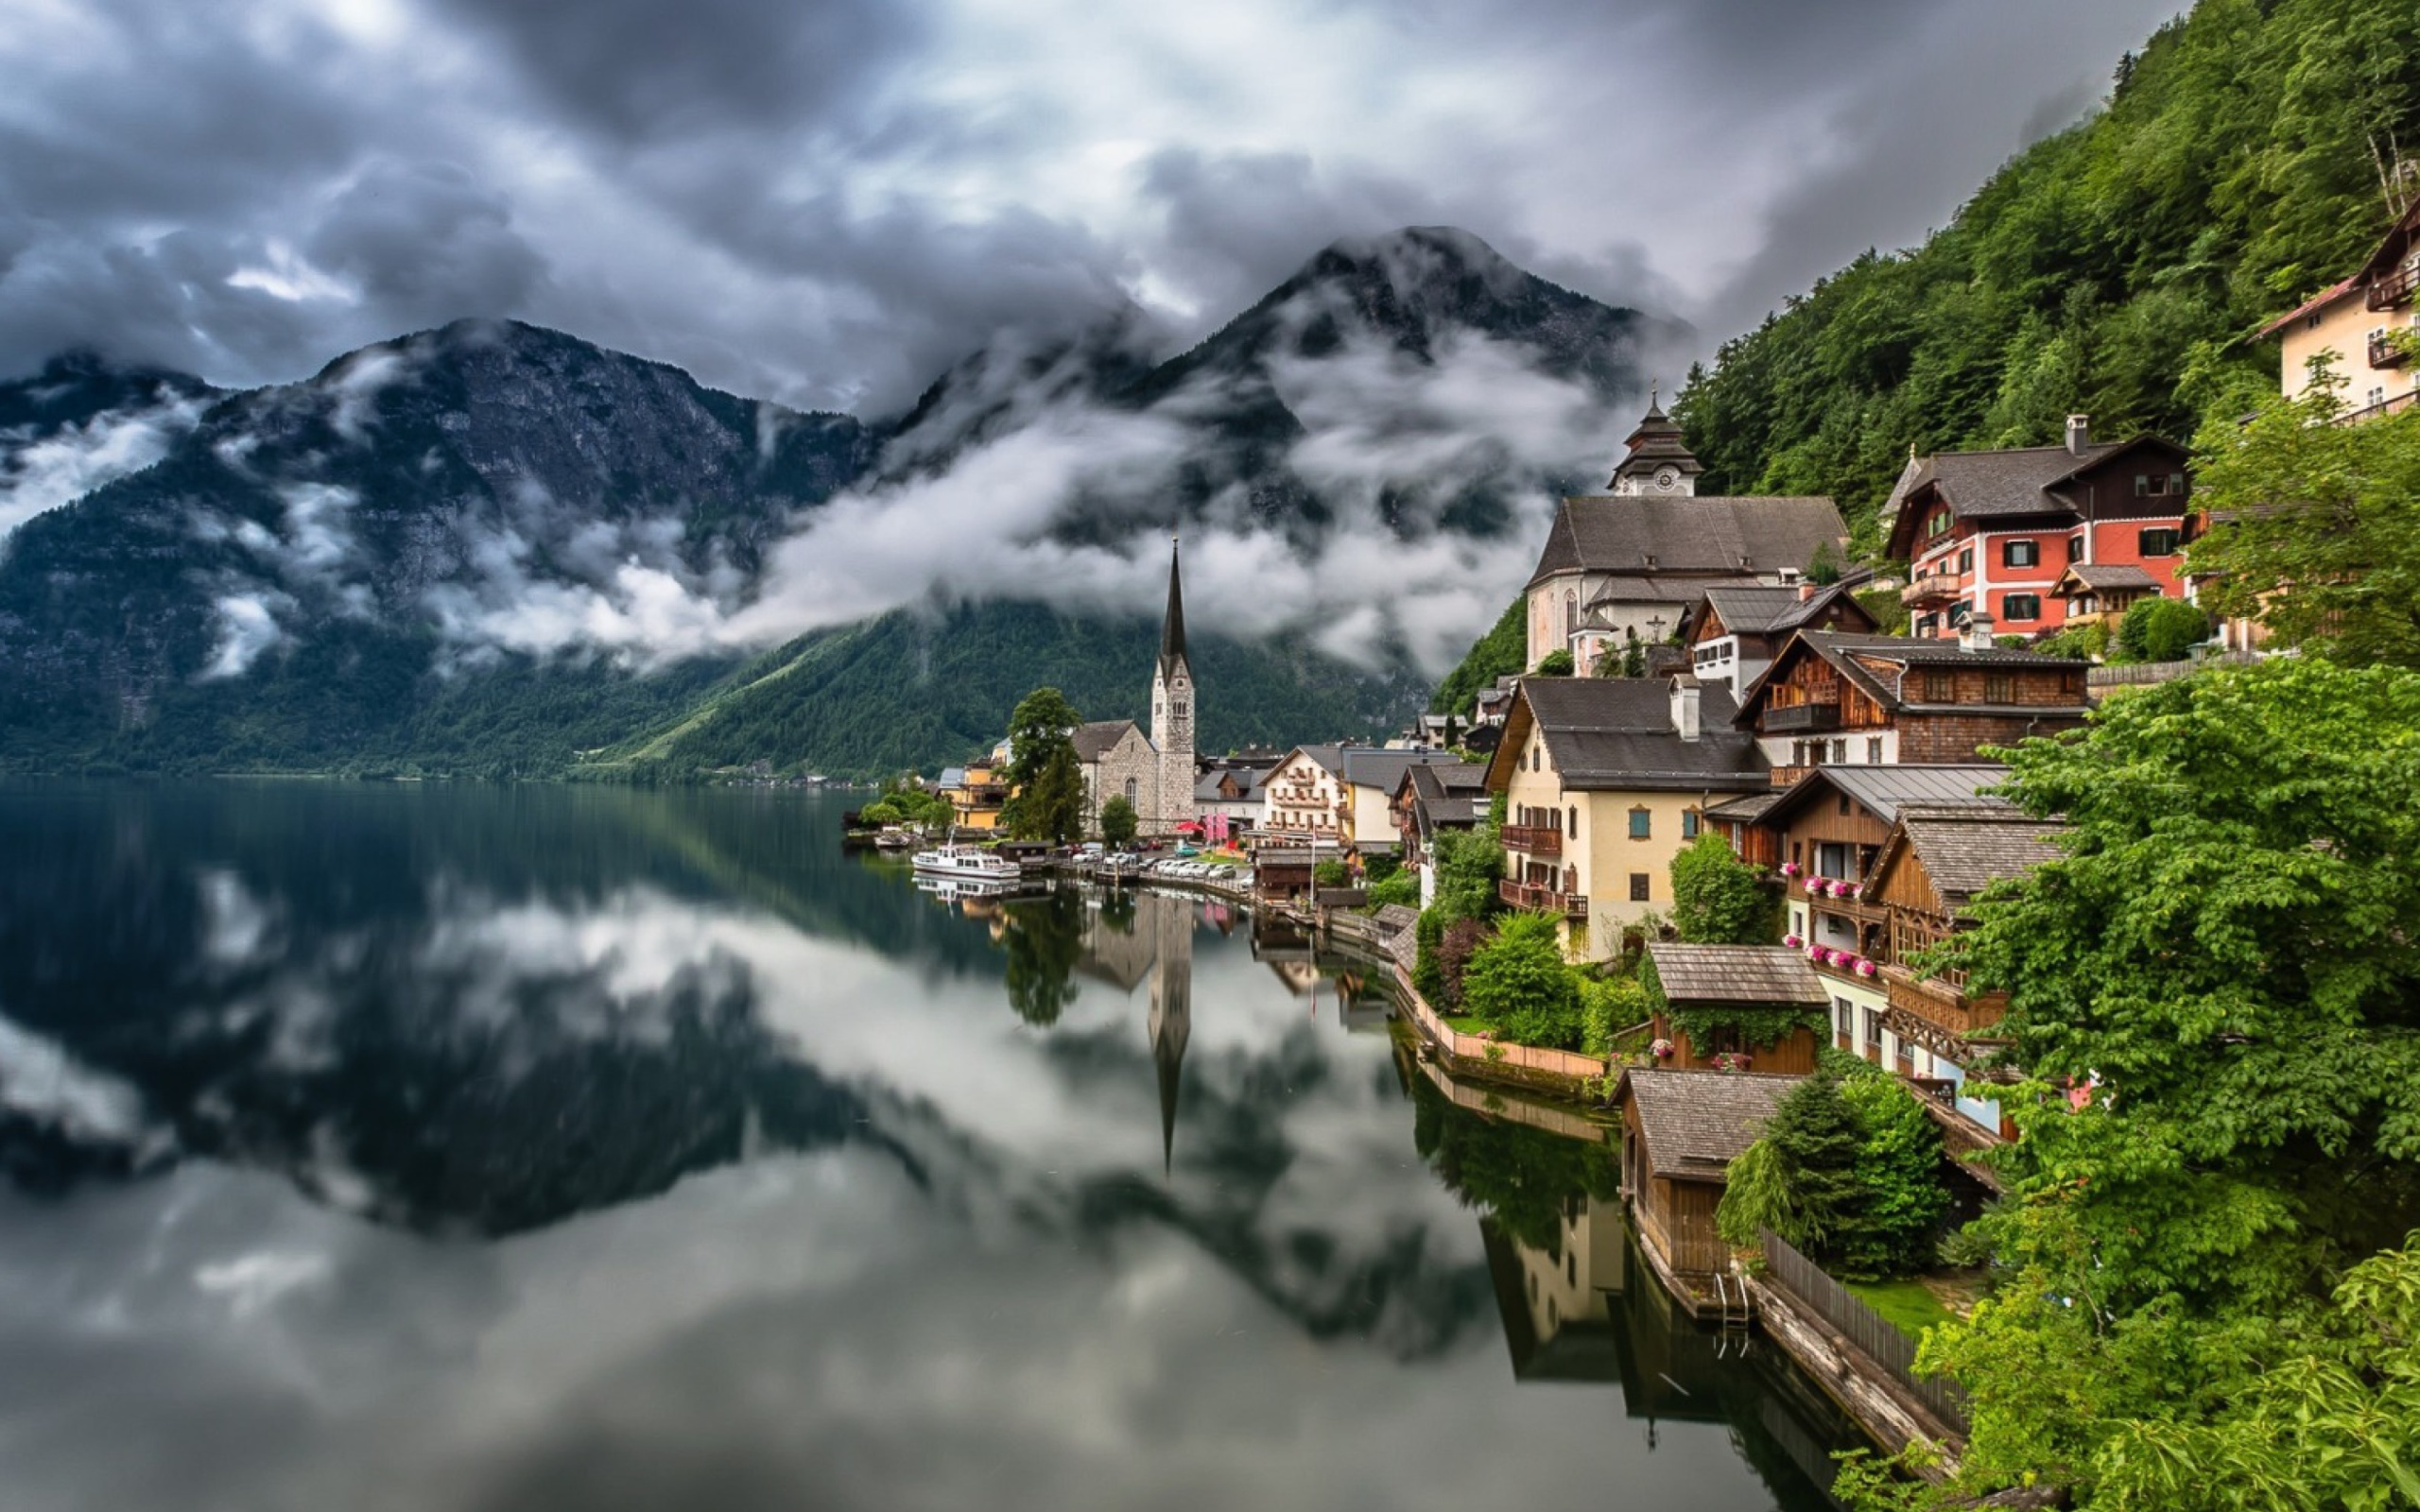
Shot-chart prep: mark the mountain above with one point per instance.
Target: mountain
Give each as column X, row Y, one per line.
column 485, row 548
column 2119, row 268
column 81, row 421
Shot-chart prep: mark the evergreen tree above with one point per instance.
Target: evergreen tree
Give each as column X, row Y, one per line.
column 1817, row 1145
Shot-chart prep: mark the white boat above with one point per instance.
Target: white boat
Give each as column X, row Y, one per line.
column 969, row 861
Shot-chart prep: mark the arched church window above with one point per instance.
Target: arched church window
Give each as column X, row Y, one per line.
column 1133, row 790
column 1570, row 611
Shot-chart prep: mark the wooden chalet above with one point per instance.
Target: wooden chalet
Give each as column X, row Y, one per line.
column 1758, row 983
column 1681, row 1130
column 1732, row 633
column 1934, row 862
column 1832, row 699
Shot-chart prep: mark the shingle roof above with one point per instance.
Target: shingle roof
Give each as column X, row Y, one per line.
column 1852, row 655
column 1696, row 1123
column 1687, row 534
column 1093, row 741
column 1747, row 806
column 2103, row 577
column 1885, row 790
column 1617, row 733
column 1966, row 853
column 1768, row 974
column 1762, row 610
column 1980, row 484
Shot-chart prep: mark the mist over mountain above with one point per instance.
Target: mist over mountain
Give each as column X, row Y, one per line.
column 490, row 547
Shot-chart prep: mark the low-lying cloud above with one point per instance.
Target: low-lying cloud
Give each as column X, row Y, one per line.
column 41, row 474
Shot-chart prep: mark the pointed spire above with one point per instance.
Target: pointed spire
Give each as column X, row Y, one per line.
column 1171, row 1069
column 1172, row 627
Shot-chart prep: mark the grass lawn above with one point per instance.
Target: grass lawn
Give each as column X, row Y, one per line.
column 1907, row 1305
column 1465, row 1024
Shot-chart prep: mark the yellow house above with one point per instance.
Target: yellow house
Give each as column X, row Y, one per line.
column 1604, row 780
column 978, row 791
column 2357, row 322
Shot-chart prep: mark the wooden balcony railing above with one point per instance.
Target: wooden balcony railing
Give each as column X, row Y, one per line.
column 1942, row 1004
column 1544, row 899
column 2385, row 352
column 1802, row 718
column 2394, row 289
column 1930, row 588
column 1535, row 839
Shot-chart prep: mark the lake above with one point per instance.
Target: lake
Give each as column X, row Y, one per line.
column 383, row 1147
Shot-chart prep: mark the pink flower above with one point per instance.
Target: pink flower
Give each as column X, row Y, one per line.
column 1789, row 869
column 1866, row 969
column 1793, row 942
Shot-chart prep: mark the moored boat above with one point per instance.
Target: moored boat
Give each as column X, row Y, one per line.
column 969, row 861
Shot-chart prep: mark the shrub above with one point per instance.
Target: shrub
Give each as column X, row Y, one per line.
column 1519, row 982
column 1428, row 969
column 1554, row 664
column 2161, row 630
column 1903, row 1197
column 1378, row 866
column 1607, row 1007
column 1462, row 938
column 1719, row 899
column 1403, row 887
column 1118, row 820
column 1331, row 873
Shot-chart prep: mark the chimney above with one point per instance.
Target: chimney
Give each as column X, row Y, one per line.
column 1806, row 592
column 1976, row 636
column 2078, row 434
column 1685, row 706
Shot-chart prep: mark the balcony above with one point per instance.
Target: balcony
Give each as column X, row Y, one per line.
column 2394, row 289
column 1801, row 718
column 2385, row 352
column 1931, row 590
column 1941, row 1004
column 1544, row 900
column 1535, row 840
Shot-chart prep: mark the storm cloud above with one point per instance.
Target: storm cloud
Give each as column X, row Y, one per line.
column 825, row 204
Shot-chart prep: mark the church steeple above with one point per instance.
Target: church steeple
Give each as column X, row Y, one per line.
column 1659, row 461
column 1172, row 627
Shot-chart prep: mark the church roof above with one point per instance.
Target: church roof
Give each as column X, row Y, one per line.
column 1687, row 535
column 1096, row 739
column 1656, row 443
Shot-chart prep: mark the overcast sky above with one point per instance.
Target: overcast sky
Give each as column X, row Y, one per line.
column 825, row 202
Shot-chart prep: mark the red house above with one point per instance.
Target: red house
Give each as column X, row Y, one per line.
column 1994, row 532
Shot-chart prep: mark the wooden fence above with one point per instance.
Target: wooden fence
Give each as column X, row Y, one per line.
column 1847, row 1316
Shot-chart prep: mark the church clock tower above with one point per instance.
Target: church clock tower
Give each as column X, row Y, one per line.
column 1172, row 711
column 1659, row 463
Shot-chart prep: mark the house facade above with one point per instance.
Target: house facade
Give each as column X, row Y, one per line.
column 1303, row 798
column 1732, row 992
column 1832, row 699
column 1630, row 561
column 1433, row 799
column 977, row 791
column 2363, row 325
column 1604, row 780
column 1992, row 533
column 1370, row 778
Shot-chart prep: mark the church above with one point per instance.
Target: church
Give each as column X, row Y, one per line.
column 1155, row 774
column 1632, row 560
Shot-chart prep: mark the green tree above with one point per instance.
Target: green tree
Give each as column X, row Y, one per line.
column 1118, row 820
column 1501, row 652
column 1557, row 663
column 2320, row 532
column 1402, row 889
column 1719, row 899
column 1044, row 939
column 1803, row 1181
column 1519, row 982
column 1902, row 1198
column 2225, row 951
column 1330, row 872
column 1052, row 807
column 2160, row 630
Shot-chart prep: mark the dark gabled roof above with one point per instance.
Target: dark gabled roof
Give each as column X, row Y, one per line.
column 1771, row 975
column 1762, row 610
column 1964, row 853
column 2003, row 485
column 1248, row 780
column 1884, row 791
column 1615, row 733
column 1696, row 1123
column 1329, row 758
column 1851, row 654
column 1687, row 535
column 1747, row 807
column 1094, row 740
column 1369, row 767
column 2107, row 578
column 1446, row 794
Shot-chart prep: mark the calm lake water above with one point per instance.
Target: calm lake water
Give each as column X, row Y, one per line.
column 469, row 1148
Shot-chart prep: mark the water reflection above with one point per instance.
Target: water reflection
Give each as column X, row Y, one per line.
column 512, row 1149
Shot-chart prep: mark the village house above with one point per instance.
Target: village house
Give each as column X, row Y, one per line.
column 1227, row 798
column 1369, row 777
column 1433, row 799
column 1833, row 698
column 1934, row 862
column 1732, row 634
column 1303, row 798
column 1681, row 1130
column 2363, row 325
column 1824, row 836
column 1992, row 533
column 1604, row 778
column 977, row 791
column 1630, row 561
column 1757, row 1006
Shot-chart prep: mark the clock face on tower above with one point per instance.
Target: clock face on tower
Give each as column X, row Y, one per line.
column 1667, row 477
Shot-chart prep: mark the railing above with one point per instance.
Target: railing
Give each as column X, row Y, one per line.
column 1522, row 894
column 2394, row 289
column 2142, row 672
column 1784, row 719
column 1927, row 588
column 1533, row 840
column 2385, row 352
column 2394, row 405
column 1849, row 1318
column 1941, row 1004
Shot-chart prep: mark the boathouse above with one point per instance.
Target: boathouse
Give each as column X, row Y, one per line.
column 1681, row 1130
column 1752, row 1005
